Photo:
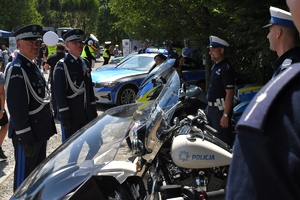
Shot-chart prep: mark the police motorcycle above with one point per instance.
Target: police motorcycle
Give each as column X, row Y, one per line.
column 150, row 88
column 96, row 163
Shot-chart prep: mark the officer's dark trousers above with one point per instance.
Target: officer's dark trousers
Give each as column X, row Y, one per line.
column 214, row 116
column 25, row 165
column 106, row 60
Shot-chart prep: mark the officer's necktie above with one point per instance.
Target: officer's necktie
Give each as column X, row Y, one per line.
column 78, row 61
column 79, row 64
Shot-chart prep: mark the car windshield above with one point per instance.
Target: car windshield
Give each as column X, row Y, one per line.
column 139, row 63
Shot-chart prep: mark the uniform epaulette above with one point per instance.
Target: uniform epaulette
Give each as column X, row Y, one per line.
column 62, row 60
column 17, row 63
column 266, row 97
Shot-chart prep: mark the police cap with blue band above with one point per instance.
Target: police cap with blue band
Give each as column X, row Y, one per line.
column 280, row 17
column 74, row 35
column 29, row 32
column 217, row 42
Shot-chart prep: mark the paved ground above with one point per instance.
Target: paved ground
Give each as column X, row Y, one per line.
column 7, row 167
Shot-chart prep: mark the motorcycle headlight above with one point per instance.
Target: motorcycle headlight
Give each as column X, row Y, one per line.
column 106, row 84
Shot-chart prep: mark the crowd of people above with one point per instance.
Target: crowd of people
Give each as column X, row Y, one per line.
column 266, row 148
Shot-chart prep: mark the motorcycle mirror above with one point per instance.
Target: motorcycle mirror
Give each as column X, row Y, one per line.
column 176, row 121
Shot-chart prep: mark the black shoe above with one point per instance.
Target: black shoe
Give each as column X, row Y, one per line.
column 2, row 155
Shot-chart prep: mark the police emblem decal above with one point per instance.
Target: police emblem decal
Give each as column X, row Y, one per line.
column 183, row 156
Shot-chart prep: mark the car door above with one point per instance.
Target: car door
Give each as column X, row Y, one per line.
column 193, row 72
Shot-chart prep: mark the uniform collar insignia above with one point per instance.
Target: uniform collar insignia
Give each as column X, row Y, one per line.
column 287, row 62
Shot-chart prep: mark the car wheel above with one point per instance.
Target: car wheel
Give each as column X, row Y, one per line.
column 126, row 95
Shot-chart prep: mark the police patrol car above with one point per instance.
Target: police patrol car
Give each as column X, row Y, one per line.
column 120, row 85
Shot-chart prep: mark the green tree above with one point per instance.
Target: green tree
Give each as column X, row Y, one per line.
column 238, row 22
column 18, row 13
column 49, row 17
column 109, row 28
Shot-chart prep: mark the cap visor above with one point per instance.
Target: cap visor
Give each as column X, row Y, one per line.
column 213, row 46
column 268, row 25
column 31, row 38
column 77, row 40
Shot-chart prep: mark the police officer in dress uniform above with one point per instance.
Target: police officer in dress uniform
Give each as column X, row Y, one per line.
column 145, row 46
column 73, row 87
column 221, row 90
column 28, row 100
column 266, row 153
column 89, row 49
column 283, row 37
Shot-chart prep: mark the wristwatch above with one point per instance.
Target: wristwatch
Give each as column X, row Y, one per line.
column 2, row 111
column 225, row 115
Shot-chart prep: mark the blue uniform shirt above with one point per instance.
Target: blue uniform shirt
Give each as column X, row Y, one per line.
column 188, row 52
column 222, row 77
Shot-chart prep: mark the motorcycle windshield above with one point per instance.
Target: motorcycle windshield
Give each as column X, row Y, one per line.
column 152, row 84
column 94, row 146
column 159, row 121
column 83, row 155
column 160, row 71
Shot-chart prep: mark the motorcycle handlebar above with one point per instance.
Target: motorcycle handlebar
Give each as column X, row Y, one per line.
column 216, row 195
column 210, row 129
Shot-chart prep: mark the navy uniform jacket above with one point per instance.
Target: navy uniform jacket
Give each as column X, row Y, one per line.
column 177, row 56
column 173, row 54
column 222, row 77
column 77, row 105
column 142, row 51
column 30, row 114
column 266, row 156
column 285, row 60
